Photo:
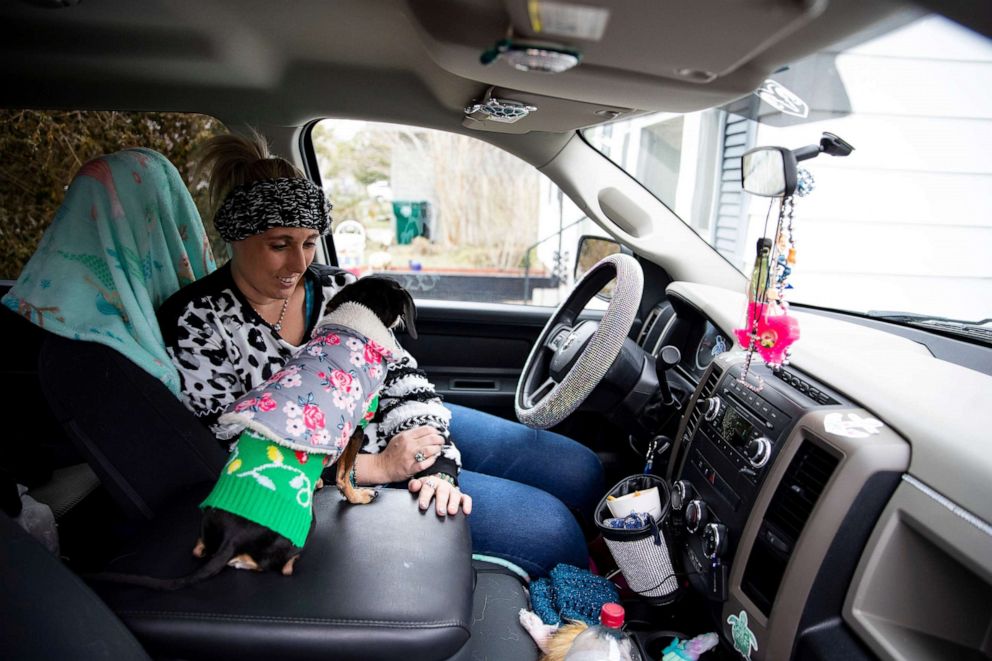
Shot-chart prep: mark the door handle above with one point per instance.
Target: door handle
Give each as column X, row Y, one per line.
column 474, row 384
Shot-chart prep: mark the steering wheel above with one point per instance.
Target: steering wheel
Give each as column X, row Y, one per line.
column 571, row 357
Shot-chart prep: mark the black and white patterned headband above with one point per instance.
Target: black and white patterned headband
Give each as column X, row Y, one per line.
column 261, row 205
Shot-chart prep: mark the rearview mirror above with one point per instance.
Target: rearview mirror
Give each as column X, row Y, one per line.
column 591, row 250
column 769, row 172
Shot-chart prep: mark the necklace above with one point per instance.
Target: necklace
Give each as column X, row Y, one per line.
column 278, row 325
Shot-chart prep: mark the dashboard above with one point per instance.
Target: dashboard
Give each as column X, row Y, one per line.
column 805, row 501
column 711, row 344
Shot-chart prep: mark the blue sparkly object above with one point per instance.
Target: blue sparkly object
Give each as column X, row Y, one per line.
column 805, row 182
column 633, row 521
column 571, row 593
column 542, row 601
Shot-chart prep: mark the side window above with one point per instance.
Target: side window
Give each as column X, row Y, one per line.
column 450, row 216
column 43, row 150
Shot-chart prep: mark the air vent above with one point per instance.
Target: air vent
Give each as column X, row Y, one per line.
column 798, row 492
column 711, row 382
column 648, row 325
column 654, row 326
column 787, row 514
column 805, row 387
column 705, row 392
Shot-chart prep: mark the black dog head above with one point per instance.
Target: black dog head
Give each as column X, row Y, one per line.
column 384, row 296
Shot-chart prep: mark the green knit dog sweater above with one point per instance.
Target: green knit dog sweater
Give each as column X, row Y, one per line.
column 270, row 485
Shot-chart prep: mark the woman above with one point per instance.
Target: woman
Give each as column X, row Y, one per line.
column 230, row 331
column 125, row 238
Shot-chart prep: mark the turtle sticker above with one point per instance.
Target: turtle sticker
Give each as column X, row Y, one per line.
column 743, row 637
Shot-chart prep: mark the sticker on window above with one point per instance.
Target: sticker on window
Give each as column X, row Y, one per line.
column 851, row 425
column 778, row 96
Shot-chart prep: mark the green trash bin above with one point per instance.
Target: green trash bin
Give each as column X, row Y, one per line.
column 412, row 220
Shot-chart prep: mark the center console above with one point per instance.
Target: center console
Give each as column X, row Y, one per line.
column 729, row 442
column 771, row 478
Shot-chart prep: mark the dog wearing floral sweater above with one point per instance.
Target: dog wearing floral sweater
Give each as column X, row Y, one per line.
column 308, row 415
column 305, row 417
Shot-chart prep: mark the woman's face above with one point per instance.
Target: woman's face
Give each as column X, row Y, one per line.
column 272, row 263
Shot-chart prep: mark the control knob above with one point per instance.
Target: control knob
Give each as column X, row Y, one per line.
column 714, row 540
column 682, row 493
column 758, row 451
column 695, row 515
column 713, row 405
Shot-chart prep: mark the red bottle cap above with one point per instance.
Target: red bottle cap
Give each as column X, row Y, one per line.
column 611, row 615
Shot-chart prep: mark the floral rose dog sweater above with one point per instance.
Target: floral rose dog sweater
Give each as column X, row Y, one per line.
column 329, row 388
column 325, row 391
column 223, row 349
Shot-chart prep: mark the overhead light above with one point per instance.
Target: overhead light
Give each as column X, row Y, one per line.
column 542, row 58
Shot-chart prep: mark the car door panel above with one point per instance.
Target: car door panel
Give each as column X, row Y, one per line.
column 474, row 353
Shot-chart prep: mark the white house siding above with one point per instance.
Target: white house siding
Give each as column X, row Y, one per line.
column 904, row 222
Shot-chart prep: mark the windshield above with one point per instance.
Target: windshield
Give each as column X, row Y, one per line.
column 902, row 224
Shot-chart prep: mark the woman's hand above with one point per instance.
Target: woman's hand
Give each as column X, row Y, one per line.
column 447, row 497
column 409, row 453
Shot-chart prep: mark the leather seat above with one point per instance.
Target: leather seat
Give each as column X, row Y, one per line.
column 378, row 581
column 48, row 613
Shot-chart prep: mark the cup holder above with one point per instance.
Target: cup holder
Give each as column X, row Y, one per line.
column 652, row 644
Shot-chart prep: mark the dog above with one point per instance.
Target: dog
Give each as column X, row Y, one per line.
column 358, row 318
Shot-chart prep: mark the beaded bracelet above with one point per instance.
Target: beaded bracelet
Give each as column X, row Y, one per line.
column 353, row 476
column 447, row 478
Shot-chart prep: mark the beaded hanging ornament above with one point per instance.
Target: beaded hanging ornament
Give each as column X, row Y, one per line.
column 768, row 329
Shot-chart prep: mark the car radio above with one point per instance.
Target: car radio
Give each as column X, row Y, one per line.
column 743, row 424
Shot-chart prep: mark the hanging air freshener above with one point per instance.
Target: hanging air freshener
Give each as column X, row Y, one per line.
column 768, row 329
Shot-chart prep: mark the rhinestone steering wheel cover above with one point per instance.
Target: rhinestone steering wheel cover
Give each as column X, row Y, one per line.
column 597, row 357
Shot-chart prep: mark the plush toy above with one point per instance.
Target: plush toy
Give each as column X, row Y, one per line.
column 689, row 650
column 559, row 644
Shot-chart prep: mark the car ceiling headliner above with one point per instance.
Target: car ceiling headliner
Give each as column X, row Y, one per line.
column 417, row 62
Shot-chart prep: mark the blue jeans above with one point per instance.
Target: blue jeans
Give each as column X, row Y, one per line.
column 525, row 484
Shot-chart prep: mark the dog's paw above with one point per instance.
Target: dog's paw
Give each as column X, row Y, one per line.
column 363, row 496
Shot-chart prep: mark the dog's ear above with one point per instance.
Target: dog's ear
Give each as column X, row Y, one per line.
column 409, row 314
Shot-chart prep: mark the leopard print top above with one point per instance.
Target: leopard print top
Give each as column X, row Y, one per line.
column 223, row 348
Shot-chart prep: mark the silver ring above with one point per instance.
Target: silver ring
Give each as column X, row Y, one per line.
column 431, row 482
column 419, row 456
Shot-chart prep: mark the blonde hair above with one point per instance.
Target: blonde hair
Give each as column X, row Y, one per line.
column 229, row 161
